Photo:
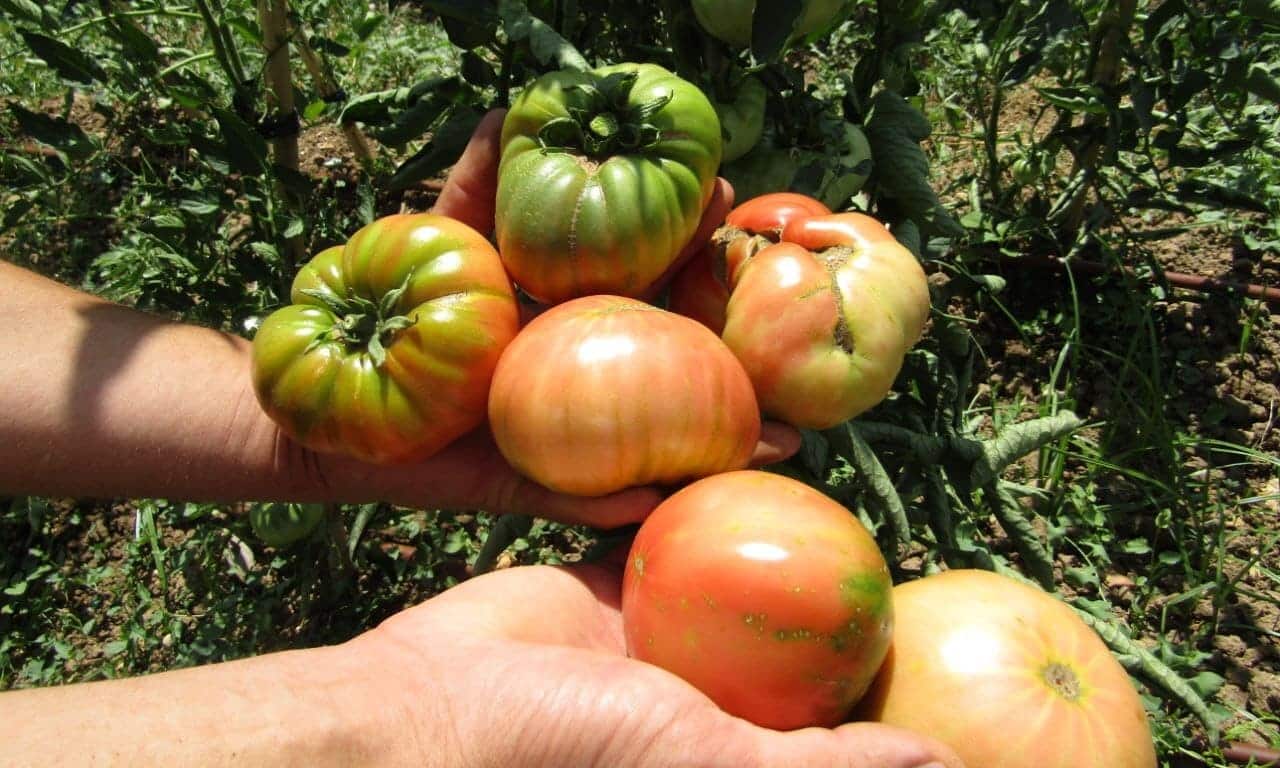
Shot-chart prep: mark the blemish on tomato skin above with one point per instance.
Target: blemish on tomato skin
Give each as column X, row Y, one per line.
column 639, row 565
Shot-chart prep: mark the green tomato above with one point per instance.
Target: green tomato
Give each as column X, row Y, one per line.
column 742, row 120
column 603, row 179
column 731, row 20
column 387, row 350
column 280, row 525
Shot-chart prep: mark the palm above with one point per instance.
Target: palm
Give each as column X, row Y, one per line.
column 544, row 648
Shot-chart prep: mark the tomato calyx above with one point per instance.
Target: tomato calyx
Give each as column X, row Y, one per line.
column 1062, row 679
column 362, row 322
column 609, row 124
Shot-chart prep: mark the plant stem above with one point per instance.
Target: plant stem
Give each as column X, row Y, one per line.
column 328, row 89
column 273, row 16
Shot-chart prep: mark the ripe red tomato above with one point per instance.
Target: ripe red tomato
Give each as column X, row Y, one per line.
column 604, row 392
column 1008, row 676
column 764, row 594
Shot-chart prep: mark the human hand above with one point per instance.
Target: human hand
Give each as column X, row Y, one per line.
column 527, row 666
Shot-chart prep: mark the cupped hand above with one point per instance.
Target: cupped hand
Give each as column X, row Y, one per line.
column 471, row 473
column 527, row 666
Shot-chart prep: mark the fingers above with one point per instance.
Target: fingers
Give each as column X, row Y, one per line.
column 854, row 745
column 778, row 442
column 471, row 192
column 717, row 208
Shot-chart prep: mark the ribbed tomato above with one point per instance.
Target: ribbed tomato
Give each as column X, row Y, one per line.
column 603, row 180
column 764, row 594
column 387, row 349
column 604, row 392
column 1008, row 676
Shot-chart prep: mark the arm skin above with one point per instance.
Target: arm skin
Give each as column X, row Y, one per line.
column 475, row 677
column 103, row 401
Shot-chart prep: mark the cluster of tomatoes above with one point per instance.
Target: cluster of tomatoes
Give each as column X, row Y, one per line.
column 764, row 593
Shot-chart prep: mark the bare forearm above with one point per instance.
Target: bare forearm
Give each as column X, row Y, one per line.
column 310, row 708
column 102, row 400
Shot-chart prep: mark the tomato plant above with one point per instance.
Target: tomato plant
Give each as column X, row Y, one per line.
column 764, row 594
column 1008, row 676
column 605, row 392
column 388, row 348
column 603, row 179
column 742, row 119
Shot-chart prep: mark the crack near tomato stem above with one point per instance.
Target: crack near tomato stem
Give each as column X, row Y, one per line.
column 833, row 259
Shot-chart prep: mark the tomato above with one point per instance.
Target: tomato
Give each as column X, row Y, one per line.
column 764, row 594
column 387, row 350
column 731, row 20
column 821, row 308
column 603, row 179
column 605, row 392
column 700, row 290
column 742, row 120
column 1008, row 676
column 280, row 525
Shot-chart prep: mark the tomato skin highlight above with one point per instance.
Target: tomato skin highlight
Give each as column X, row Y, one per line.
column 604, row 392
column 1008, row 676
column 572, row 223
column 764, row 594
column 327, row 392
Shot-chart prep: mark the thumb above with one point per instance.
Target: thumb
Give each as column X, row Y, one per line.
column 853, row 745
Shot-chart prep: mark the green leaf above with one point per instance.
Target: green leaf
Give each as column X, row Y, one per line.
column 772, row 25
column 895, row 129
column 878, row 484
column 265, row 251
column 477, row 71
column 198, row 207
column 1261, row 84
column 1266, row 11
column 70, row 63
column 245, row 148
column 63, row 135
column 24, row 10
column 294, row 228
column 441, row 152
column 314, row 110
column 546, row 44
column 1017, row 441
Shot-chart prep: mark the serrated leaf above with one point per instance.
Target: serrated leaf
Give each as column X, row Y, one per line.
column 907, row 233
column 265, row 251
column 442, row 151
column 168, row 221
column 294, row 228
column 70, row 63
column 63, row 135
column 547, row 45
column 895, row 129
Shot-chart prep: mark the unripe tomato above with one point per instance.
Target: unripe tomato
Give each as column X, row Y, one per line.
column 742, row 120
column 604, row 392
column 1008, row 676
column 388, row 347
column 764, row 594
column 603, row 179
column 279, row 524
column 731, row 20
